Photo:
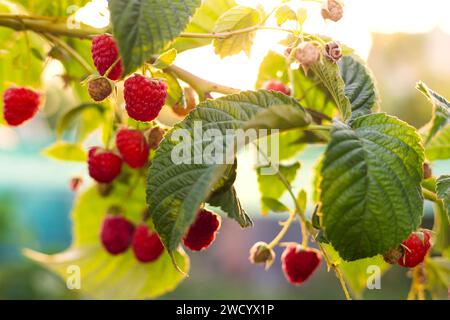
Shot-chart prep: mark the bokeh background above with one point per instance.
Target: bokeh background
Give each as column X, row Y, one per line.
column 403, row 41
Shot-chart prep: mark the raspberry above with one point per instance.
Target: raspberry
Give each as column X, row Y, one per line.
column 133, row 147
column 203, row 231
column 415, row 248
column 262, row 253
column 144, row 97
column 307, row 54
column 275, row 85
column 105, row 53
column 99, row 89
column 116, row 234
column 147, row 246
column 299, row 263
column 104, row 166
column 333, row 10
column 20, row 104
column 155, row 137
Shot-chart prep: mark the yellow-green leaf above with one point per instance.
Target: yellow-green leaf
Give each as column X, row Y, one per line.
column 66, row 151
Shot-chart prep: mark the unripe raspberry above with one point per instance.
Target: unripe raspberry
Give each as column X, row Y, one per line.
column 144, row 97
column 415, row 248
column 116, row 234
column 191, row 103
column 99, row 89
column 307, row 54
column 262, row 253
column 333, row 51
column 332, row 10
column 133, row 147
column 427, row 171
column 155, row 137
column 147, row 246
column 275, row 85
column 203, row 231
column 104, row 166
column 20, row 104
column 105, row 53
column 299, row 263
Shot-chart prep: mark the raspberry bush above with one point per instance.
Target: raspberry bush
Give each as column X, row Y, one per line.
column 141, row 209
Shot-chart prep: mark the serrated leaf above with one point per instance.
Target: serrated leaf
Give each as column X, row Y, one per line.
column 274, row 205
column 176, row 191
column 166, row 59
column 283, row 14
column 143, row 28
column 104, row 276
column 236, row 18
column 270, row 186
column 203, row 21
column 441, row 111
column 370, row 190
column 66, row 151
column 438, row 148
column 443, row 192
column 329, row 74
column 359, row 86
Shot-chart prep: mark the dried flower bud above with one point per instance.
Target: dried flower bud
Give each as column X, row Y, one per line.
column 287, row 52
column 155, row 136
column 75, row 183
column 393, row 255
column 333, row 51
column 333, row 10
column 99, row 89
column 427, row 172
column 191, row 102
column 261, row 253
column 307, row 54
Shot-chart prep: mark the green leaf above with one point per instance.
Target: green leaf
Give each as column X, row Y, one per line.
column 329, row 74
column 273, row 67
column 66, row 151
column 274, row 205
column 438, row 148
column 441, row 111
column 143, row 28
column 302, row 200
column 359, row 86
column 270, row 186
column 437, row 272
column 356, row 273
column 283, row 14
column 60, row 8
column 166, row 59
column 443, row 191
column 236, row 18
column 370, row 190
column 176, row 191
column 104, row 276
column 203, row 21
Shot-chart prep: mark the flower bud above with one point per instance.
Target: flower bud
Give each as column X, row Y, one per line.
column 262, row 253
column 333, row 51
column 427, row 172
column 333, row 10
column 155, row 137
column 307, row 54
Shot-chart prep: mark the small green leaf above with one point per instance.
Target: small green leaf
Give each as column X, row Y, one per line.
column 66, row 151
column 166, row 59
column 236, row 18
column 360, row 86
column 143, row 28
column 274, row 205
column 270, row 186
column 302, row 200
column 284, row 13
column 371, row 185
column 443, row 191
column 438, row 148
column 302, row 15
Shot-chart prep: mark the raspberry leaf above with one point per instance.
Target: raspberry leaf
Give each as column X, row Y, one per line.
column 176, row 191
column 66, row 151
column 236, row 18
column 443, row 191
column 143, row 28
column 438, row 148
column 285, row 13
column 104, row 276
column 370, row 188
column 359, row 86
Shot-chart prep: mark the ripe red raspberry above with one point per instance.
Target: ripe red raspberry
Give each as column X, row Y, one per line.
column 415, row 248
column 133, row 147
column 116, row 234
column 105, row 53
column 299, row 263
column 144, row 97
column 104, row 166
column 147, row 246
column 203, row 231
column 275, row 85
column 19, row 105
